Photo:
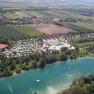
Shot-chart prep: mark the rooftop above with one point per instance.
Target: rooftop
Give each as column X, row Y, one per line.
column 2, row 46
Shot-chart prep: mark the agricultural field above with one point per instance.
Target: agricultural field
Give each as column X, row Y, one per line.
column 34, row 13
column 17, row 32
column 11, row 15
column 52, row 29
column 14, row 15
column 22, row 14
column 84, row 45
column 27, row 30
column 1, row 15
column 8, row 32
column 86, row 25
column 78, row 27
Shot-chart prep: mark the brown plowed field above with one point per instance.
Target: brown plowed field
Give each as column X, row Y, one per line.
column 52, row 29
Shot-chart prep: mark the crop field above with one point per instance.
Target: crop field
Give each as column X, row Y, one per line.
column 17, row 32
column 17, row 14
column 86, row 25
column 7, row 32
column 52, row 29
column 79, row 27
column 11, row 15
column 28, row 30
column 1, row 15
column 22, row 14
column 34, row 13
column 85, row 44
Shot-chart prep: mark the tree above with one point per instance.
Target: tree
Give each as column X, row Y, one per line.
column 41, row 63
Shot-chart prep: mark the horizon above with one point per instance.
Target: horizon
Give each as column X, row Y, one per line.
column 48, row 0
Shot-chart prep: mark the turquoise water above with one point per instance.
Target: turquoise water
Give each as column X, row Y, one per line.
column 53, row 78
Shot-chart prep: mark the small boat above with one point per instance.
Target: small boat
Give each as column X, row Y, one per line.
column 69, row 75
column 38, row 81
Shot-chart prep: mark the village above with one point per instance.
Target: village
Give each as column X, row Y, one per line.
column 46, row 46
column 26, row 20
column 29, row 46
column 59, row 42
column 35, row 20
column 37, row 52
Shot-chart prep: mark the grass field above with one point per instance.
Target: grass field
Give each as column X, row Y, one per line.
column 84, row 45
column 34, row 13
column 17, row 32
column 7, row 32
column 22, row 14
column 27, row 30
column 11, row 15
column 14, row 15
column 1, row 15
column 86, row 25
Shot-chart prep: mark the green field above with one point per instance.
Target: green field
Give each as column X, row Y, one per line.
column 7, row 32
column 14, row 15
column 27, row 30
column 86, row 25
column 17, row 32
column 84, row 45
column 22, row 14
column 11, row 15
column 1, row 15
column 34, row 13
column 19, row 14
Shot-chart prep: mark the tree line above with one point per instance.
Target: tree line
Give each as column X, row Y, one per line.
column 8, row 66
column 84, row 85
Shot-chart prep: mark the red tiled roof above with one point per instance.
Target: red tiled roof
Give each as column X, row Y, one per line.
column 2, row 46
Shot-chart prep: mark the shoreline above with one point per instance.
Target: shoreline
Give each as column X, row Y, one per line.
column 60, row 85
column 23, row 71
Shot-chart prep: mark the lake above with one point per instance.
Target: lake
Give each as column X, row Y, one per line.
column 53, row 78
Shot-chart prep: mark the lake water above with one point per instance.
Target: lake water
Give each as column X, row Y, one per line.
column 53, row 78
